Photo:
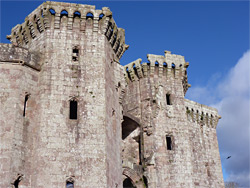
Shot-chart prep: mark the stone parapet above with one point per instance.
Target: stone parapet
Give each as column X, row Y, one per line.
column 18, row 55
column 72, row 17
column 201, row 114
column 170, row 66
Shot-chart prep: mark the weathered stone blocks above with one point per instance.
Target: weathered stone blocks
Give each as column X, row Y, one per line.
column 125, row 116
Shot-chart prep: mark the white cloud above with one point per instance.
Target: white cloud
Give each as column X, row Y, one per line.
column 231, row 97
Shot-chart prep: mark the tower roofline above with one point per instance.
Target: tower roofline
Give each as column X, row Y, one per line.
column 75, row 17
column 169, row 65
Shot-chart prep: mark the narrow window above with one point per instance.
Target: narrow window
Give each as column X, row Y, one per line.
column 17, row 181
column 168, row 99
column 25, row 104
column 69, row 184
column 145, row 180
column 73, row 110
column 75, row 54
column 169, row 143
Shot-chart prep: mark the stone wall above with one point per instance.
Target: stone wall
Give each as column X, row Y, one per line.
column 18, row 80
column 193, row 160
column 65, row 54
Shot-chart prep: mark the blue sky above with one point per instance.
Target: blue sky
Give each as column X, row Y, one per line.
column 214, row 38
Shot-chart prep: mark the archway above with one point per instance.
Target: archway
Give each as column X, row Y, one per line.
column 132, row 178
column 131, row 140
column 127, row 183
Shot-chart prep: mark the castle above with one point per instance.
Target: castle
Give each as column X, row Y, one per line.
column 72, row 116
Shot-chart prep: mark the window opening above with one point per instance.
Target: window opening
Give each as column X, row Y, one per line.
column 73, row 110
column 25, row 104
column 75, row 54
column 168, row 99
column 169, row 143
column 17, row 181
column 140, row 154
column 127, row 183
column 69, row 184
column 145, row 181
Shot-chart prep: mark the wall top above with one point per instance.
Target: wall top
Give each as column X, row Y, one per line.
column 71, row 17
column 18, row 55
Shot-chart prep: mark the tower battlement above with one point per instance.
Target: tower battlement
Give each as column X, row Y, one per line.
column 201, row 114
column 75, row 18
column 170, row 66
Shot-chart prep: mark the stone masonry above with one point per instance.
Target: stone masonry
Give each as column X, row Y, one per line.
column 72, row 116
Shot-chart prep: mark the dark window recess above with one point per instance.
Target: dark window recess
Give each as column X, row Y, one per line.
column 140, row 154
column 73, row 110
column 145, row 180
column 169, row 143
column 69, row 185
column 168, row 99
column 25, row 104
column 127, row 183
column 17, row 181
column 75, row 54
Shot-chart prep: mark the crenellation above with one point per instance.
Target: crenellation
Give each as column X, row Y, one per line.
column 201, row 114
column 175, row 66
column 43, row 19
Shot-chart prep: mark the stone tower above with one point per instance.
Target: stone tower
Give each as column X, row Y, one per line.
column 72, row 116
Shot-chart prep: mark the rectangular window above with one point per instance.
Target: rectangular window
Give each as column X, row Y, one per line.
column 73, row 110
column 75, row 54
column 168, row 99
column 169, row 142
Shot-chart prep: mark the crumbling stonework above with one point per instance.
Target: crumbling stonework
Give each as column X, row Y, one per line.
column 71, row 115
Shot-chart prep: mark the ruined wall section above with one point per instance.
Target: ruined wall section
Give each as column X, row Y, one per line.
column 206, row 157
column 19, row 70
